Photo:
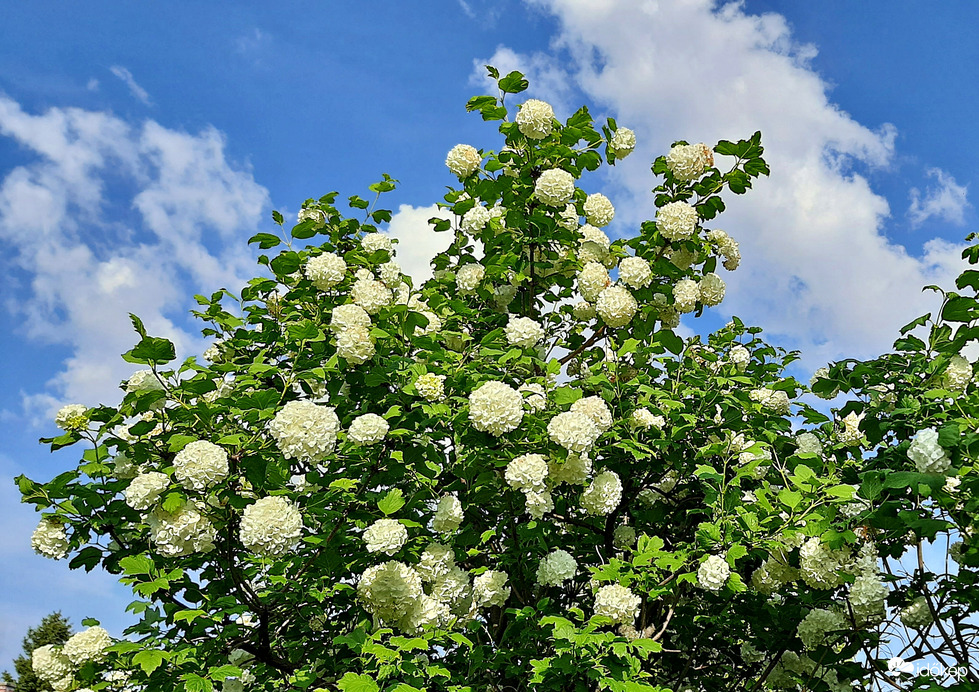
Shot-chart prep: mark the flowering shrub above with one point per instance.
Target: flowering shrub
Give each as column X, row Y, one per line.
column 517, row 475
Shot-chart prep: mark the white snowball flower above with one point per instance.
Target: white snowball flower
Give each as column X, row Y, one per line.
column 305, row 431
column 599, row 210
column 469, row 276
column 917, row 615
column 711, row 289
column 727, row 247
column 616, row 306
column 539, row 502
column 535, row 119
column 309, row 214
column 454, row 588
column 819, row 565
column 523, row 332
column 389, row 590
column 618, row 603
column 376, row 242
column 584, row 311
column 435, row 562
column 686, row 293
column 817, row 624
column 367, row 429
column 568, row 217
column 623, row 142
column 594, row 245
column 496, row 408
column 371, row 294
column 183, row 531
column 809, row 443
column 431, row 387
column 867, row 598
column 556, row 568
column 575, row 470
column 88, row 645
column 592, row 280
column 349, row 315
column 475, row 220
column 434, row 324
column 635, row 272
column 624, row 536
column 385, row 536
column 927, row 455
column 49, row 539
column 490, row 589
column 145, row 489
column 646, row 419
column 50, row 664
column 463, row 160
column 143, row 381
column 200, row 465
column 677, row 221
column 554, row 187
column 689, row 161
column 603, row 495
column 72, row 417
column 448, row 515
column 576, row 432
column 326, row 270
column 849, row 434
column 713, row 573
column 355, row 345
column 776, row 401
column 271, row 526
column 739, row 357
column 595, row 408
column 390, row 274
column 534, row 396
column 958, row 373
column 527, row 472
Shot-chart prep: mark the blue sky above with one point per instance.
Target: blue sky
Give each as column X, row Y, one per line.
column 142, row 143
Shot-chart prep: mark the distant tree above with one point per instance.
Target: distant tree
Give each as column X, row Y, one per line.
column 54, row 629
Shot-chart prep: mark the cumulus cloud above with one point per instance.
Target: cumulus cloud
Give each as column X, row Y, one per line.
column 127, row 78
column 945, row 200
column 108, row 218
column 417, row 242
column 819, row 273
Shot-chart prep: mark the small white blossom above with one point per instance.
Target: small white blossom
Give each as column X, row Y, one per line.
column 496, row 408
column 554, row 187
column 490, row 588
column 556, row 568
column 926, row 453
column 305, row 431
column 689, row 161
column 616, row 306
column 200, row 465
column 469, row 276
column 367, row 429
column 72, row 417
column 88, row 645
column 713, row 573
column 523, row 332
column 623, row 142
column 576, row 432
column 618, row 603
column 448, row 515
column 635, row 272
column 431, row 387
column 463, row 160
column 686, row 293
column 603, row 495
column 145, row 489
column 535, row 119
column 385, row 536
column 326, row 270
column 677, row 221
column 599, row 210
column 271, row 526
column 49, row 539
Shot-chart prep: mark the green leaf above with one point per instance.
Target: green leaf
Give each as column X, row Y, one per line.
column 220, row 673
column 151, row 350
column 285, row 264
column 149, row 660
column 960, row 309
column 948, row 435
column 672, row 342
column 195, row 683
column 789, row 498
column 391, row 502
column 353, row 682
column 513, row 83
column 277, row 217
column 137, row 564
column 265, row 240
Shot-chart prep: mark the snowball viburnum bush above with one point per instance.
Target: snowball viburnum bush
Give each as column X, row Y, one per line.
column 374, row 482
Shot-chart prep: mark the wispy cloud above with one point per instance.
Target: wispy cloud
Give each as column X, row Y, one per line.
column 945, row 200
column 127, row 78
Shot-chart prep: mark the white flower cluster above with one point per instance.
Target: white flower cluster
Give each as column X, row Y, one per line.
column 370, row 294
column 574, row 431
column 618, row 603
column 527, row 472
column 646, row 419
column 867, row 598
column 575, row 470
column 820, row 565
column 584, row 311
column 927, row 455
column 554, row 187
column 326, row 270
column 592, row 280
column 727, row 247
column 635, row 272
column 849, row 432
column 200, row 465
column 739, row 357
column 775, row 401
column 448, row 515
column 376, row 242
column 49, row 539
column 808, row 443
column 568, row 217
column 385, row 536
column 773, row 574
column 490, row 588
column 712, row 289
column 305, row 431
column 556, row 568
column 431, row 386
column 310, row 214
column 917, row 615
column 72, row 417
column 616, row 306
column 677, row 221
column 271, row 526
column 368, row 429
column 535, row 119
column 463, row 160
column 183, row 531
column 145, row 489
column 595, row 408
column 496, row 408
column 50, row 664
column 469, row 276
column 143, row 381
column 435, row 562
column 534, row 396
column 390, row 590
column 598, row 210
column 623, row 142
column 603, row 495
column 822, row 374
column 355, row 344
column 88, row 645
column 713, row 573
column 689, row 161
column 624, row 536
column 686, row 293
column 958, row 374
column 817, row 624
column 594, row 246
column 347, row 316
column 523, row 332
column 390, row 274
column 475, row 220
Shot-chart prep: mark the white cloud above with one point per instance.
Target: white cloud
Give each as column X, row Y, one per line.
column 93, row 84
column 818, row 271
column 946, row 200
column 417, row 242
column 127, row 78
column 188, row 210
